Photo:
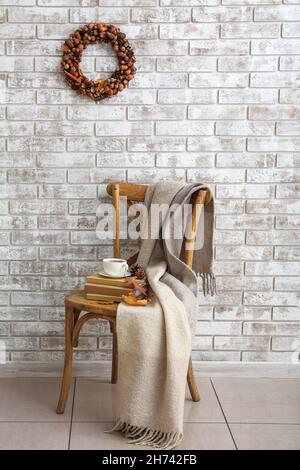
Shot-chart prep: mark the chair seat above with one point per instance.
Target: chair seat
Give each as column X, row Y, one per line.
column 78, row 301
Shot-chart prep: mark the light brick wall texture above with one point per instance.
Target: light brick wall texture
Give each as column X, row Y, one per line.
column 215, row 99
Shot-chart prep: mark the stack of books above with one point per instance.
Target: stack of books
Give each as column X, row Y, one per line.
column 107, row 289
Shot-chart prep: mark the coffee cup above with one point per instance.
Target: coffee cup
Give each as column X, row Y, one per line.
column 116, row 267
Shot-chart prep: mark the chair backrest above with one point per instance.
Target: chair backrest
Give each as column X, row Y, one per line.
column 136, row 193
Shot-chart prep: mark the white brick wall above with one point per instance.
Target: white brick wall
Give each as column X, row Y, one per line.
column 216, row 98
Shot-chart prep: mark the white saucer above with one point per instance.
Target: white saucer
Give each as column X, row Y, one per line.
column 103, row 273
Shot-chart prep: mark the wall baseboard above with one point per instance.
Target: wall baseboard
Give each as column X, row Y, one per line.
column 102, row 369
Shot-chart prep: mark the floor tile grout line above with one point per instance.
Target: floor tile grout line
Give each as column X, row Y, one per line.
column 227, row 424
column 72, row 411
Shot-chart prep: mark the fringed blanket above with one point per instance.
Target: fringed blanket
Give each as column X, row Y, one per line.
column 155, row 341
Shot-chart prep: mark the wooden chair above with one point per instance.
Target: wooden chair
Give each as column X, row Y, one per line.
column 76, row 303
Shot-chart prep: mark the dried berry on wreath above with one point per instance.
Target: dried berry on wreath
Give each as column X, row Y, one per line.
column 73, row 48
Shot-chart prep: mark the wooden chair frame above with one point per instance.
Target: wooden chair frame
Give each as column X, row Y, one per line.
column 76, row 303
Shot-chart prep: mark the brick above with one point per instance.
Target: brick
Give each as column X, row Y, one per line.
column 289, row 63
column 217, row 328
column 184, row 128
column 228, row 268
column 288, row 160
column 161, row 15
column 38, row 206
column 278, row 144
column 277, row 13
column 186, row 64
column 279, row 79
column 65, row 159
column 19, row 283
column 288, row 128
column 250, row 30
column 85, row 238
column 68, row 253
column 159, row 80
column 16, row 128
column 208, row 144
column 216, row 175
column 99, row 14
column 96, row 175
column 244, row 253
column 244, row 128
column 125, row 160
column 149, row 175
column 288, row 190
column 53, row 31
column 216, row 112
column 16, row 253
column 127, row 128
column 94, row 144
column 291, row 30
column 286, row 253
column 248, row 64
column 38, row 328
column 39, row 237
column 278, row 329
column 291, row 206
column 247, row 95
column 16, row 64
column 202, row 343
column 221, row 80
column 219, row 47
column 188, row 159
column 278, row 112
column 233, row 343
column 156, row 144
column 35, row 112
column 17, row 222
column 189, row 31
column 276, row 357
column 288, row 222
column 64, row 128
column 242, row 313
column 9, row 30
column 65, row 191
column 169, row 47
column 33, row 144
column 273, row 238
column 108, row 64
column 186, row 96
column 244, row 222
column 32, row 47
column 38, row 267
column 221, row 14
column 22, row 344
column 245, row 160
column 156, row 112
column 16, row 191
column 176, row 3
column 283, row 343
column 49, row 222
column 275, row 46
column 17, row 96
column 273, row 268
column 96, row 113
column 37, row 15
column 273, row 175
column 248, row 283
column 286, row 313
column 227, row 206
column 35, row 176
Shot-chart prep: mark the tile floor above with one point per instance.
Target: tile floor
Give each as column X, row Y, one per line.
column 234, row 413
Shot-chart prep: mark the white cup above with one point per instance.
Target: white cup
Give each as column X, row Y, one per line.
column 116, row 267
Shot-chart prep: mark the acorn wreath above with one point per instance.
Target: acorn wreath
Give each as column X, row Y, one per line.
column 72, row 52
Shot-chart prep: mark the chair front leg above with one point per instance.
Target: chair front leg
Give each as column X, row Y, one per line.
column 67, row 374
column 114, row 367
column 192, row 383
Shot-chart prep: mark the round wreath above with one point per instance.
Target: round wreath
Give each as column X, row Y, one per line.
column 72, row 52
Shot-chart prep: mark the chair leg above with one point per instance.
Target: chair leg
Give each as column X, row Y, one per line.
column 114, row 367
column 67, row 374
column 192, row 383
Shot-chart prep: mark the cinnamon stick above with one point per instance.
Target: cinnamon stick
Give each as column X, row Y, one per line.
column 77, row 80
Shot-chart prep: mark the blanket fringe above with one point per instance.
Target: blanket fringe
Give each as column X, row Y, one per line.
column 209, row 286
column 146, row 436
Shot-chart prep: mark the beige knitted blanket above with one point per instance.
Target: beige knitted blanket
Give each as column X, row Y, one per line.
column 155, row 341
